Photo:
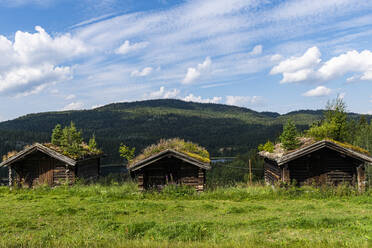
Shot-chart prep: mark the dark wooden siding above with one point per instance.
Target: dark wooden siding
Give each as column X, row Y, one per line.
column 35, row 169
column 272, row 173
column 39, row 168
column 170, row 171
column 88, row 169
column 324, row 166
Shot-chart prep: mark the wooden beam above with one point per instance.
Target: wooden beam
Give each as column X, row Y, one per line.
column 361, row 175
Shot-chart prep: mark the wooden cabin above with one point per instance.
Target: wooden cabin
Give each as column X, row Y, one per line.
column 169, row 167
column 39, row 164
column 322, row 162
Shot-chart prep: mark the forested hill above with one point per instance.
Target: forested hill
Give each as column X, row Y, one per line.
column 224, row 130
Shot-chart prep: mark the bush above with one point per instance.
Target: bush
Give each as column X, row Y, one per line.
column 288, row 138
column 267, row 147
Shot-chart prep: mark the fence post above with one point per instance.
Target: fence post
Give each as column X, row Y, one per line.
column 250, row 171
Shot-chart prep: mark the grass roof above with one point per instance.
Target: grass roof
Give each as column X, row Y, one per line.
column 279, row 151
column 186, row 147
column 84, row 151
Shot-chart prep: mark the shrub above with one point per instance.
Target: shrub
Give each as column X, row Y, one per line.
column 288, row 138
column 268, row 147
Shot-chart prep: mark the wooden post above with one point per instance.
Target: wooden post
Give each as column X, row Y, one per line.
column 286, row 175
column 10, row 176
column 250, row 171
column 140, row 182
column 361, row 175
column 201, row 177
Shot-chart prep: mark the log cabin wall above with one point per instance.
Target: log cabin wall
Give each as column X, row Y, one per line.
column 272, row 172
column 171, row 171
column 35, row 169
column 324, row 166
column 88, row 169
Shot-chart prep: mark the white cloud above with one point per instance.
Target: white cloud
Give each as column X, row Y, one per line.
column 162, row 93
column 69, row 97
column 30, row 63
column 126, row 47
column 297, row 69
column 351, row 61
column 97, row 106
column 318, row 91
column 28, row 79
column 192, row 98
column 73, row 106
column 194, row 73
column 145, row 71
column 244, row 100
column 256, row 50
column 308, row 66
column 276, row 57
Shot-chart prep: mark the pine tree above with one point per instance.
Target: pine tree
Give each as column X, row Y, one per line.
column 57, row 135
column 92, row 143
column 289, row 136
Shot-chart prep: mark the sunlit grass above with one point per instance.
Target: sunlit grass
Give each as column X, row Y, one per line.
column 121, row 216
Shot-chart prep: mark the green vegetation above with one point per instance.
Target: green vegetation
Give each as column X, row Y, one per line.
column 69, row 142
column 289, row 136
column 126, row 152
column 335, row 124
column 267, row 147
column 223, row 130
column 120, row 216
column 177, row 144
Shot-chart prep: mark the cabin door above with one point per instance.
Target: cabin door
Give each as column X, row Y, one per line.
column 46, row 172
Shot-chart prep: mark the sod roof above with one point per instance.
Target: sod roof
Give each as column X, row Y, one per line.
column 308, row 145
column 181, row 146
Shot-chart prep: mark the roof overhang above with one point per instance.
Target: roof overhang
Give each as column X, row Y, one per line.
column 165, row 154
column 320, row 145
column 38, row 147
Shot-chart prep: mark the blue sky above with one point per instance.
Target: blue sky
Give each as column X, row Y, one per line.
column 265, row 55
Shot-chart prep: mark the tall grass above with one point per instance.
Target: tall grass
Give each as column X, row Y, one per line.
column 119, row 215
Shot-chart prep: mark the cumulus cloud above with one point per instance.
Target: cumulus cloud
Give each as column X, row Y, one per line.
column 244, row 100
column 309, row 67
column 29, row 63
column 194, row 73
column 256, row 50
column 162, row 93
column 297, row 69
column 28, row 79
column 73, row 106
column 69, row 97
column 145, row 71
column 318, row 91
column 192, row 98
column 127, row 47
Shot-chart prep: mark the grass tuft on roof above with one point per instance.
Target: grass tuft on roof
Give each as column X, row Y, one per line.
column 83, row 151
column 186, row 147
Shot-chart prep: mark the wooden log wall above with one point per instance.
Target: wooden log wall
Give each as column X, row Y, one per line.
column 88, row 169
column 324, row 167
column 171, row 171
column 272, row 172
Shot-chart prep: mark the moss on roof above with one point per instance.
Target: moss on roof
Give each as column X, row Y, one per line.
column 84, row 151
column 279, row 151
column 186, row 147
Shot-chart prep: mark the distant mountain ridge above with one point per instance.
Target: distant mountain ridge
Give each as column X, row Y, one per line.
column 224, row 130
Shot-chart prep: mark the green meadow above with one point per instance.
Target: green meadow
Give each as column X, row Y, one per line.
column 242, row 216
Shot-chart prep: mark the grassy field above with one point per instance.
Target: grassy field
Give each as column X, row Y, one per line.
column 120, row 216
